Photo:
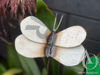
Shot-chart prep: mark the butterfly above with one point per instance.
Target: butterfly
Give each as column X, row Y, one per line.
column 38, row 41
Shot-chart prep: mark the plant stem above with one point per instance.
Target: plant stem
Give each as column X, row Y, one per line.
column 48, row 65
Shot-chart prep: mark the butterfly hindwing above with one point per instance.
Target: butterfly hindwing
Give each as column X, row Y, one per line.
column 34, row 29
column 71, row 37
column 69, row 56
column 29, row 48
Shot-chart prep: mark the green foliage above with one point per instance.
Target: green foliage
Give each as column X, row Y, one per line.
column 15, row 60
column 75, row 70
column 12, row 72
column 44, row 14
column 29, row 66
column 2, row 69
column 44, row 72
column 12, row 57
column 54, row 68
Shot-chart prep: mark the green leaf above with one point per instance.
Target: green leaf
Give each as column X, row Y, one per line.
column 54, row 68
column 75, row 70
column 17, row 61
column 44, row 71
column 45, row 61
column 12, row 72
column 2, row 69
column 44, row 14
column 29, row 66
column 12, row 57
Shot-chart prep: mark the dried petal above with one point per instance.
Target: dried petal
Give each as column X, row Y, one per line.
column 12, row 7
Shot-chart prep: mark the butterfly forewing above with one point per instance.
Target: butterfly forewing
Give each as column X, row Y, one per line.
column 71, row 37
column 29, row 48
column 69, row 56
column 34, row 29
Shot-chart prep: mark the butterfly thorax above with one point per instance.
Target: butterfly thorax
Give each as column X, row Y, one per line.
column 50, row 44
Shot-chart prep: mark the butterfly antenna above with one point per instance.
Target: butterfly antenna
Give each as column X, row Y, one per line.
column 59, row 22
column 54, row 29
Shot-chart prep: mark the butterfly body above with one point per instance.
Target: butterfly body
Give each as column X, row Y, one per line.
column 50, row 43
column 38, row 41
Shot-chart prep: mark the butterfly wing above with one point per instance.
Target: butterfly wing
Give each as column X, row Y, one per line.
column 34, row 29
column 71, row 37
column 69, row 56
column 29, row 48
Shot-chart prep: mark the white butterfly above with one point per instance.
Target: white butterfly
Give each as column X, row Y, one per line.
column 37, row 41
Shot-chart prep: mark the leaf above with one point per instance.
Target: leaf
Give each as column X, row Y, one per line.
column 54, row 68
column 17, row 61
column 12, row 57
column 44, row 14
column 45, row 61
column 44, row 71
column 2, row 69
column 75, row 70
column 12, row 72
column 29, row 66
